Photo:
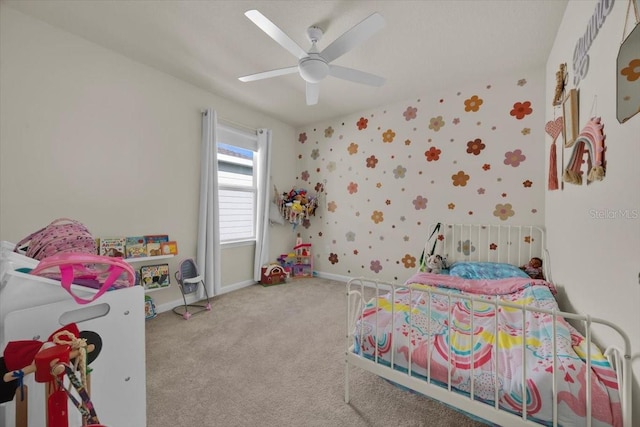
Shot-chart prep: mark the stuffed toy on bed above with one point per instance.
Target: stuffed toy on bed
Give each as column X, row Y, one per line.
column 434, row 264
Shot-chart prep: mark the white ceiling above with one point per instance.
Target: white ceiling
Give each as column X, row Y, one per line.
column 425, row 45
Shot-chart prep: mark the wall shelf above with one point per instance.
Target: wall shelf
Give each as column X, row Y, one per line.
column 147, row 258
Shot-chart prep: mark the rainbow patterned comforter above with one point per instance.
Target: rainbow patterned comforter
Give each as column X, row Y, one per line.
column 427, row 338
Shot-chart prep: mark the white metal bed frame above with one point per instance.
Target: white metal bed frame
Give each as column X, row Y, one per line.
column 509, row 249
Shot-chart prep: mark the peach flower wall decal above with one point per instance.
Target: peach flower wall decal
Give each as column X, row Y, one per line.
column 473, row 104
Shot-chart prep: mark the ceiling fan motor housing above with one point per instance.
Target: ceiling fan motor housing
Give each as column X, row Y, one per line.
column 314, row 33
column 313, row 68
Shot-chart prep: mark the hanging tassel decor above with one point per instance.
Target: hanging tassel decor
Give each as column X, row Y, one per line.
column 554, row 129
column 553, row 169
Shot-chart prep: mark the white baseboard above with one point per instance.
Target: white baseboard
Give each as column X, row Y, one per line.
column 330, row 276
column 193, row 297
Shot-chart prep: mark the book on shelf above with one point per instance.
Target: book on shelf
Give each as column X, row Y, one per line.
column 112, row 246
column 155, row 276
column 135, row 247
column 169, row 248
column 156, row 238
column 153, row 243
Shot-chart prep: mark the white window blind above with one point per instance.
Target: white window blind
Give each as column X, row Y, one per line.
column 237, row 184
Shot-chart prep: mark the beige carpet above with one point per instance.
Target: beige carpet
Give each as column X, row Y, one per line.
column 271, row 356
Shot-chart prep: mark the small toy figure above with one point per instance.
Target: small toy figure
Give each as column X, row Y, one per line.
column 534, row 268
column 434, row 264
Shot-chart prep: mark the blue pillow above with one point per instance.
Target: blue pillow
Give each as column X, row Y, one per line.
column 485, row 270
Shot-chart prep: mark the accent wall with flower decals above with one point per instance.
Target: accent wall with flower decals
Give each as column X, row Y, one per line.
column 473, row 154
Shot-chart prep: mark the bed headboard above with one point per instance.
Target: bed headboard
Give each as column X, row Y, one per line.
column 512, row 244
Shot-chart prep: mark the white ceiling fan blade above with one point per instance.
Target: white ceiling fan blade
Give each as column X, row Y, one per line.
column 268, row 74
column 355, row 75
column 313, row 93
column 275, row 33
column 352, row 38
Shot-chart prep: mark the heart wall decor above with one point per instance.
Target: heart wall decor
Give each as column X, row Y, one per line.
column 554, row 127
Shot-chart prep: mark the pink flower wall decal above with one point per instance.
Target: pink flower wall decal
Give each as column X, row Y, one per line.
column 375, row 266
column 420, row 203
column 410, row 113
column 514, row 158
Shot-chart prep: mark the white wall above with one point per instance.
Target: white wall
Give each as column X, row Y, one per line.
column 90, row 134
column 596, row 260
column 348, row 241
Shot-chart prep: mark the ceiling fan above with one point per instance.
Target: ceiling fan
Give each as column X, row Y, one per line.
column 315, row 66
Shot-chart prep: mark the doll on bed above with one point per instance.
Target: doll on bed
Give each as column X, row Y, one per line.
column 534, row 268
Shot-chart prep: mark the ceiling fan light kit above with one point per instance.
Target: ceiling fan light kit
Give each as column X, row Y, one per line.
column 313, row 70
column 314, row 66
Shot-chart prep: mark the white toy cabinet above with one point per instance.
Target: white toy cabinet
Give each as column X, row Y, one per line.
column 32, row 308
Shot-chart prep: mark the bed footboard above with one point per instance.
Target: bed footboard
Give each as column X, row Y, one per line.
column 364, row 297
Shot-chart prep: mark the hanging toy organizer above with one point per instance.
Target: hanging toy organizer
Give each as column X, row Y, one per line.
column 297, row 205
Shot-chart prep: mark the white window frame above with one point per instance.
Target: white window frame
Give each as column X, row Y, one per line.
column 233, row 136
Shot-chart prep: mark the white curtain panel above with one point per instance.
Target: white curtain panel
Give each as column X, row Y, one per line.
column 208, row 251
column 262, row 223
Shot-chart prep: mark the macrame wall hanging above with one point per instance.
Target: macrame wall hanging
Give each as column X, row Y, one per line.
column 555, row 127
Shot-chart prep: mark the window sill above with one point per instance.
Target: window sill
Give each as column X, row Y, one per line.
column 237, row 244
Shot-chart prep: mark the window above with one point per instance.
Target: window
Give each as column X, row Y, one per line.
column 237, row 184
